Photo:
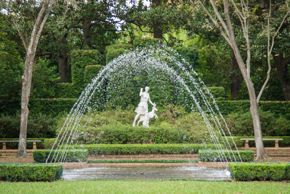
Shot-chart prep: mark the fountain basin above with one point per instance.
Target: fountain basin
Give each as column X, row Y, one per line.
column 169, row 172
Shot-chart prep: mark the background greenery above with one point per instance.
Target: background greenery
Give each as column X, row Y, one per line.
column 77, row 44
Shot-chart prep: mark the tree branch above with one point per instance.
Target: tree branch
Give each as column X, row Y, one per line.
column 270, row 46
column 215, row 22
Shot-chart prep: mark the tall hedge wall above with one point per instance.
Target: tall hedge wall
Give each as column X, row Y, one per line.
column 218, row 92
column 91, row 71
column 56, row 105
column 276, row 107
column 79, row 60
column 51, row 106
column 115, row 50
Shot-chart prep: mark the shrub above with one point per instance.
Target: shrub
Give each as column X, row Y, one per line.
column 91, row 71
column 47, row 106
column 242, row 124
column 218, row 92
column 44, row 79
column 79, row 60
column 172, row 126
column 48, row 143
column 39, row 125
column 224, row 155
column 142, row 161
column 52, row 106
column 30, row 172
column 116, row 50
column 123, row 134
column 287, row 174
column 66, row 90
column 275, row 107
column 258, row 171
column 119, row 149
column 72, row 155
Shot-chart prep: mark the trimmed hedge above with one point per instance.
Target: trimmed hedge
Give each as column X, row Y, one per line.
column 75, row 155
column 40, row 125
column 30, row 172
column 115, row 50
column 47, row 106
column 57, row 105
column 218, row 92
column 91, row 71
column 79, row 60
column 66, row 90
column 119, row 149
column 259, row 171
column 123, row 134
column 287, row 174
column 53, row 106
column 48, row 143
column 240, row 123
column 276, row 107
column 143, row 161
column 231, row 156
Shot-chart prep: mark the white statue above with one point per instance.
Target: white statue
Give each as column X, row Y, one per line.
column 146, row 118
column 142, row 109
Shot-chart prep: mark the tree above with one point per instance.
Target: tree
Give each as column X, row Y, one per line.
column 224, row 22
column 42, row 16
column 158, row 18
column 30, row 44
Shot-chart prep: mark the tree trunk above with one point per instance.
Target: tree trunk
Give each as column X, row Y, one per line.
column 235, row 78
column 281, row 63
column 87, row 33
column 254, row 109
column 245, row 71
column 254, row 106
column 63, row 65
column 27, row 75
column 157, row 25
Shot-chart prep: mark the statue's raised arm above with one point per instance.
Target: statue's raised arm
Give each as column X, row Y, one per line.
column 149, row 99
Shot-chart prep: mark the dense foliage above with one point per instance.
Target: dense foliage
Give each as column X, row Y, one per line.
column 99, row 31
column 119, row 149
column 39, row 126
column 241, row 124
column 174, row 125
column 71, row 155
column 225, row 155
column 77, row 44
column 260, row 171
column 30, row 172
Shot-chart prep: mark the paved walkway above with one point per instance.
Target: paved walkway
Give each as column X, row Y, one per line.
column 275, row 154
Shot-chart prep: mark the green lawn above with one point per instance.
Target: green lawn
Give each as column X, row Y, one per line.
column 139, row 187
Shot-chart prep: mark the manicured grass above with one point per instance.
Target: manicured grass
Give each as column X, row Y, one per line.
column 142, row 187
column 142, row 161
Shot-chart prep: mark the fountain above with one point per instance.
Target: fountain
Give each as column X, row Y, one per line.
column 149, row 59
